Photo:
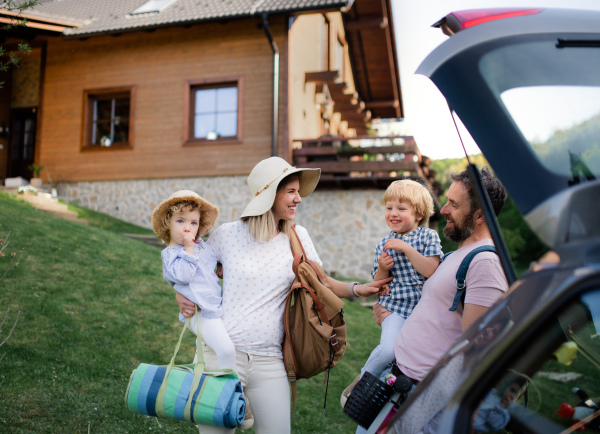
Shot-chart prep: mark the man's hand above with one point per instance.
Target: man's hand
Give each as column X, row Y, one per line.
column 386, row 262
column 380, row 313
column 186, row 307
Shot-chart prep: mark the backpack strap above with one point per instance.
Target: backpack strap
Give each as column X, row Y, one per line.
column 289, row 358
column 295, row 243
column 461, row 274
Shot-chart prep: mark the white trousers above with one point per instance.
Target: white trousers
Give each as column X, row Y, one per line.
column 214, row 334
column 383, row 355
column 267, row 389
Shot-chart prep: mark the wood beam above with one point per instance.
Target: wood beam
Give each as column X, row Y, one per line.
column 320, row 77
column 382, row 104
column 34, row 25
column 337, row 88
column 349, row 107
column 367, row 22
column 42, row 19
column 344, row 98
column 361, row 117
column 317, row 151
column 391, row 49
column 407, row 139
column 361, row 166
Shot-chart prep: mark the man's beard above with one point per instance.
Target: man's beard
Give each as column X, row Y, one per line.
column 460, row 233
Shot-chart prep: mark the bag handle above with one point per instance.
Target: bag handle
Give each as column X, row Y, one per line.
column 199, row 370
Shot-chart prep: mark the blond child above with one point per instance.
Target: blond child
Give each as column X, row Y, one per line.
column 410, row 253
column 189, row 266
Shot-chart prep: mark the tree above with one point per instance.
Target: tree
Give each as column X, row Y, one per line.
column 523, row 244
column 23, row 48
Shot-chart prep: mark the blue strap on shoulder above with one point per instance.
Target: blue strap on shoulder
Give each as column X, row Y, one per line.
column 461, row 274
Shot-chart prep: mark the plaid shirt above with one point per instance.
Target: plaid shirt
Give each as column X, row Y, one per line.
column 405, row 289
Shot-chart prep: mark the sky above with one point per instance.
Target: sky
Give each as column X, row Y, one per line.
column 427, row 117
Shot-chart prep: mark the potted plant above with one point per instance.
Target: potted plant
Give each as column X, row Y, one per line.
column 36, row 181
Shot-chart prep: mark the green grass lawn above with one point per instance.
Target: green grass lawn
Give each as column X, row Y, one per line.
column 93, row 305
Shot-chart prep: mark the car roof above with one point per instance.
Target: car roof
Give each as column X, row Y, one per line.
column 456, row 69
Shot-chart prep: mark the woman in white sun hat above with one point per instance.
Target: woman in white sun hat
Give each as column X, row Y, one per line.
column 257, row 274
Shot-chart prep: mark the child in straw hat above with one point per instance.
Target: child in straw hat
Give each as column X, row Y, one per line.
column 189, row 266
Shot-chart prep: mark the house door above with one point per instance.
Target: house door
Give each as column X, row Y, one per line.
column 22, row 142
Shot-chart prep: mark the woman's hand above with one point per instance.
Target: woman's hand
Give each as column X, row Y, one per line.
column 219, row 270
column 186, row 307
column 367, row 289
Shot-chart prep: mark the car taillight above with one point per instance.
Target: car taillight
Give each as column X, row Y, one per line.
column 474, row 17
column 457, row 21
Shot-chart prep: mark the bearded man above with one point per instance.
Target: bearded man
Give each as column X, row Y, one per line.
column 432, row 327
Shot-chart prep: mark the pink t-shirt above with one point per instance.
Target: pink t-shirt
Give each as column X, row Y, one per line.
column 432, row 328
column 257, row 277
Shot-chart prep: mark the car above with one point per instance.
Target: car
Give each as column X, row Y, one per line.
column 526, row 85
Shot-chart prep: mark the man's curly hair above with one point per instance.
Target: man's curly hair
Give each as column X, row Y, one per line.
column 494, row 187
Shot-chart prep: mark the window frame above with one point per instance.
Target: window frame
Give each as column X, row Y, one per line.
column 89, row 97
column 189, row 109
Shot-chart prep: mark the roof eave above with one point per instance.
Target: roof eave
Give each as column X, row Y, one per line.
column 81, row 34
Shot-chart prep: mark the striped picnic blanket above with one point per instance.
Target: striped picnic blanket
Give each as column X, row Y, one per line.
column 217, row 399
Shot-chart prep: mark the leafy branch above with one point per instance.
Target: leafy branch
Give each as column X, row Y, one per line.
column 14, row 9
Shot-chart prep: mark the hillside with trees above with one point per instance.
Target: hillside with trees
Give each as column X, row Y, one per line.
column 523, row 244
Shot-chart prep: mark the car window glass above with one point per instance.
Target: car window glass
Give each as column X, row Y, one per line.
column 559, row 133
column 552, row 93
column 555, row 384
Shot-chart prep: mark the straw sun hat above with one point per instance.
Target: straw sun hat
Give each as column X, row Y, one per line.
column 266, row 176
column 208, row 214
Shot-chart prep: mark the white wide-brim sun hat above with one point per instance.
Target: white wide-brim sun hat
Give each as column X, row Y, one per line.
column 266, row 176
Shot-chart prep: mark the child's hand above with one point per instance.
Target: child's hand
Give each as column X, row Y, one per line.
column 395, row 244
column 386, row 262
column 188, row 242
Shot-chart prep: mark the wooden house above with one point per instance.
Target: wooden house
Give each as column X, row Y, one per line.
column 138, row 89
column 126, row 101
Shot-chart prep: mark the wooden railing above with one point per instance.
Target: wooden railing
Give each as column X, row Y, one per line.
column 365, row 161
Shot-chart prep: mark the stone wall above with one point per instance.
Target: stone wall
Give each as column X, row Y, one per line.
column 345, row 225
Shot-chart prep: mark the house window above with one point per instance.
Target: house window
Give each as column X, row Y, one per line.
column 152, row 6
column 214, row 113
column 108, row 118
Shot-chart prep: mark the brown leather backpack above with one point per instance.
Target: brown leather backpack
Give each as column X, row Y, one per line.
column 313, row 319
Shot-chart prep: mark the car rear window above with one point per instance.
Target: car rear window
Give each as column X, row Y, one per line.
column 552, row 92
